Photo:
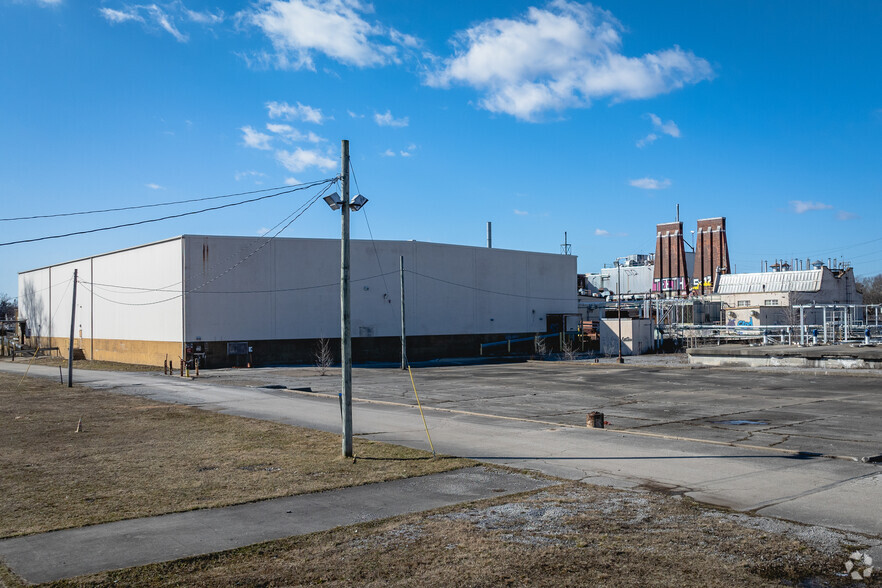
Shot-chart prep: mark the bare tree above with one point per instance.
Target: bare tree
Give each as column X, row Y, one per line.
column 871, row 288
column 7, row 307
column 323, row 357
column 568, row 351
column 539, row 348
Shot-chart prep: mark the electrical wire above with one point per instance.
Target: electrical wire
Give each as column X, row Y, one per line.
column 302, row 209
column 63, row 294
column 266, row 291
column 370, row 232
column 138, row 207
column 153, row 220
column 466, row 286
column 287, row 220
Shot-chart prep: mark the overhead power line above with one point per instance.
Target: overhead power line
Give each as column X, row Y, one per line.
column 171, row 216
column 287, row 222
column 140, row 206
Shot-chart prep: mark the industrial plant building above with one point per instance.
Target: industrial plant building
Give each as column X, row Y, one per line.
column 774, row 298
column 230, row 300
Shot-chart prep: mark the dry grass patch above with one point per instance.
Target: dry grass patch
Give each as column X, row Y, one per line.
column 88, row 364
column 137, row 457
column 570, row 535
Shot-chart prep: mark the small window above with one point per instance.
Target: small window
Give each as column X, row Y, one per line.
column 771, row 302
column 744, row 303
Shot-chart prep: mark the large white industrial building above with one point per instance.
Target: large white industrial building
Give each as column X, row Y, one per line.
column 221, row 296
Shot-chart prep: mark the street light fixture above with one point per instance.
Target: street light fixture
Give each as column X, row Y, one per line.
column 344, row 204
column 333, row 201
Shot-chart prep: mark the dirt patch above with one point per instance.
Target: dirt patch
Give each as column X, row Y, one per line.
column 569, row 535
column 136, row 457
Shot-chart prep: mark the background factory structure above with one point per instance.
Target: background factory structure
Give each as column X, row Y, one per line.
column 238, row 299
column 691, row 291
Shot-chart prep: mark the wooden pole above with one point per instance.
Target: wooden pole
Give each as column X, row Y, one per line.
column 403, row 330
column 70, row 348
column 345, row 316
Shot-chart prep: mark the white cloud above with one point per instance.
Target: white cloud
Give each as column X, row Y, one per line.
column 206, row 17
column 647, row 140
column 667, row 128
column 650, row 183
column 387, row 153
column 164, row 17
column 165, row 22
column 262, row 231
column 563, row 55
column 521, row 212
column 801, row 206
column 241, row 175
column 844, row 215
column 279, row 129
column 408, row 152
column 601, row 232
column 289, row 133
column 155, row 186
column 292, row 181
column 298, row 29
column 354, row 115
column 255, row 139
column 118, row 16
column 298, row 111
column 387, row 120
column 301, row 159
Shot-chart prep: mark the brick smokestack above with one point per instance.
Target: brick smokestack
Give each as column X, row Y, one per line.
column 711, row 254
column 670, row 276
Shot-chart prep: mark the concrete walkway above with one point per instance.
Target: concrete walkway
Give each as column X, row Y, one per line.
column 72, row 552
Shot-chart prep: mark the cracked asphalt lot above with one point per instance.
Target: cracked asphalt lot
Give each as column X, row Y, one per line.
column 832, row 415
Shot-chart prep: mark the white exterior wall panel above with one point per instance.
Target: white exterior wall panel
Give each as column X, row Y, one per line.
column 289, row 289
column 34, row 303
column 137, row 293
column 133, row 294
column 62, row 297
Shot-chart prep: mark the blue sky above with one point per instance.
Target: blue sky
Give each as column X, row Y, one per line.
column 594, row 119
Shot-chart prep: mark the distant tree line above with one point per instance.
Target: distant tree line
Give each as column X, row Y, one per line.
column 871, row 286
column 8, row 306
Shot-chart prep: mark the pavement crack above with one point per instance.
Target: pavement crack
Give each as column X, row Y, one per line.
column 784, row 439
column 817, row 490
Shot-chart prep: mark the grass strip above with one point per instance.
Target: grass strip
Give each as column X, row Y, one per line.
column 136, row 458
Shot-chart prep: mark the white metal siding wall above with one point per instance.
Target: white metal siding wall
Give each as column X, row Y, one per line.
column 137, row 293
column 132, row 294
column 34, row 300
column 290, row 288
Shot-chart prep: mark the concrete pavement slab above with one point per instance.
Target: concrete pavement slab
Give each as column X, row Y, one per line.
column 73, row 552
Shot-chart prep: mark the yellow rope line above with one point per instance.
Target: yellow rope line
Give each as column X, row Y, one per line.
column 29, row 367
column 421, row 410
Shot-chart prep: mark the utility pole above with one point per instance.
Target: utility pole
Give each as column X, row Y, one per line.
column 73, row 314
column 619, row 306
column 345, row 317
column 403, row 331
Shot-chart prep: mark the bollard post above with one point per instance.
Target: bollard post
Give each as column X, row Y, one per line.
column 182, row 367
column 197, row 367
